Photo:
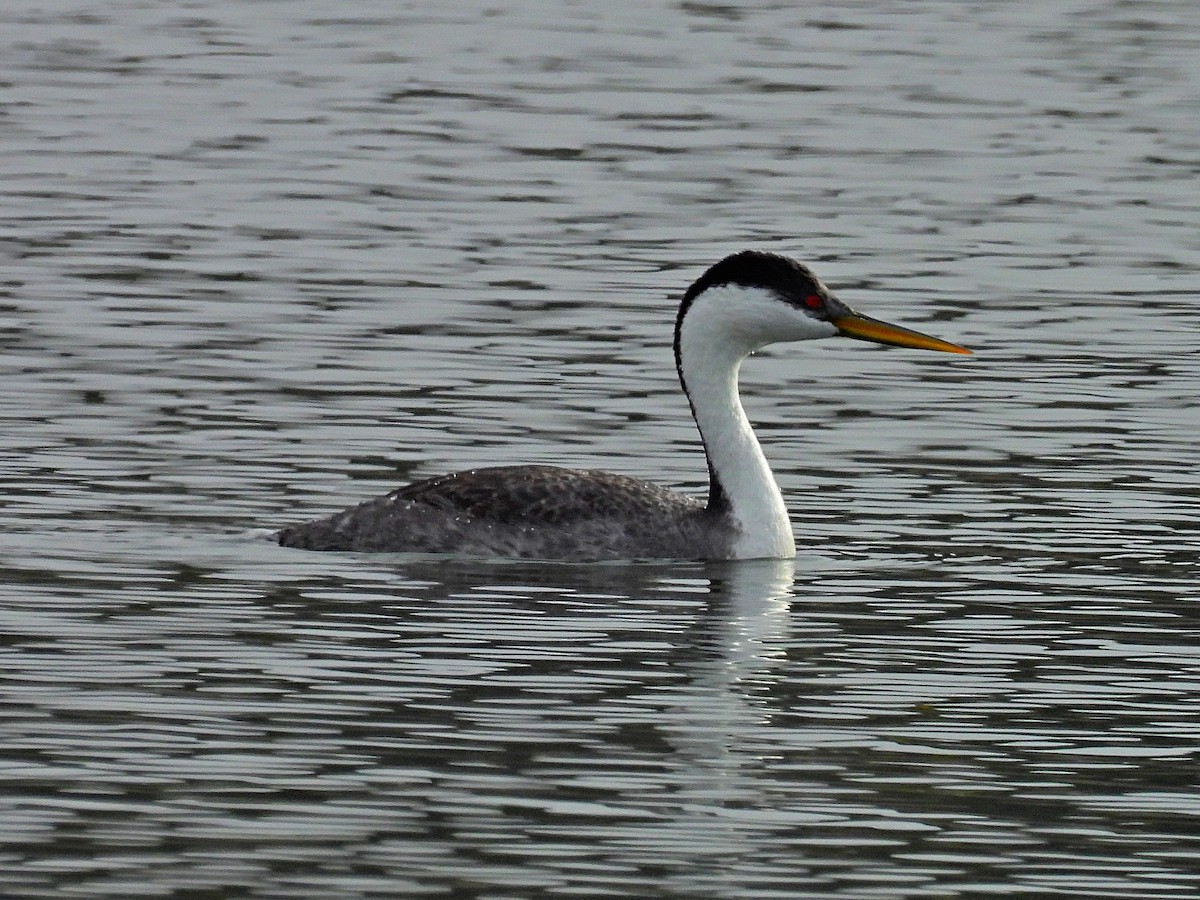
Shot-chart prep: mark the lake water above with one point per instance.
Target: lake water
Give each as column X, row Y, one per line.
column 264, row 260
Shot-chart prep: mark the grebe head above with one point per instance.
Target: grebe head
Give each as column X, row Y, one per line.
column 752, row 299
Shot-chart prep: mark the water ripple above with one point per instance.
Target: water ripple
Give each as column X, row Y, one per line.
column 262, row 260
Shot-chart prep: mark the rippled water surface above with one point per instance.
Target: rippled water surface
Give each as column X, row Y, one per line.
column 262, row 260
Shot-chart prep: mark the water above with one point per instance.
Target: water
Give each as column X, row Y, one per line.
column 263, row 260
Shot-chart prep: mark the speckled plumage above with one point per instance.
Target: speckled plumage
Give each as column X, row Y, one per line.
column 541, row 512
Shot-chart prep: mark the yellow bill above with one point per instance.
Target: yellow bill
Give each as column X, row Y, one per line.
column 864, row 328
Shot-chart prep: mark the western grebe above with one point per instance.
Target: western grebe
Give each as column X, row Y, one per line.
column 742, row 303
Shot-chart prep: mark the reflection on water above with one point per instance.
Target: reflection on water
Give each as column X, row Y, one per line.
column 263, row 259
column 717, row 729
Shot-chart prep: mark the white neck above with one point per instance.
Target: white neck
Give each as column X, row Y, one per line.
column 722, row 327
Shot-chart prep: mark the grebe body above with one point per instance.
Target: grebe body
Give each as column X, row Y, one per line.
column 739, row 305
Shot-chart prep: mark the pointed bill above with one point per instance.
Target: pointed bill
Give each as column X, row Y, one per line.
column 864, row 328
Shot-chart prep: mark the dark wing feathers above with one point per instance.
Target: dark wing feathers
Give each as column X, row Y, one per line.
column 515, row 495
column 529, row 511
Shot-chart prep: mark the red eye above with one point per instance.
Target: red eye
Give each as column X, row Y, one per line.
column 814, row 301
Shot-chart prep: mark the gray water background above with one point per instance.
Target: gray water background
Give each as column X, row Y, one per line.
column 262, row 260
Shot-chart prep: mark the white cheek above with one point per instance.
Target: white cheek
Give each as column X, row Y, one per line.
column 786, row 323
column 730, row 322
